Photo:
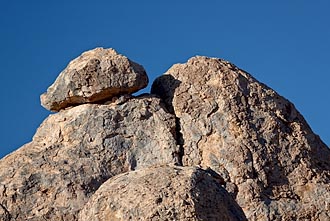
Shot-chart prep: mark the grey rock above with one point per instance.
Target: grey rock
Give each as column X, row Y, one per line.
column 256, row 140
column 94, row 76
column 162, row 193
column 76, row 150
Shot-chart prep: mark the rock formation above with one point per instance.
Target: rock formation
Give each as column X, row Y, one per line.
column 76, row 150
column 209, row 143
column 268, row 156
column 162, row 193
column 94, row 76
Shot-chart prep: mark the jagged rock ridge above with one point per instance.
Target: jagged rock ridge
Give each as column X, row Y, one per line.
column 108, row 155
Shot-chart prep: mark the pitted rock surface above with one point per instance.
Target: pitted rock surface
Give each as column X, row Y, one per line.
column 162, row 193
column 269, row 158
column 76, row 150
column 94, row 76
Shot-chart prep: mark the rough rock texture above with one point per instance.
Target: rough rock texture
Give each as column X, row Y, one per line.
column 269, row 158
column 162, row 193
column 4, row 214
column 76, row 150
column 94, row 76
column 112, row 156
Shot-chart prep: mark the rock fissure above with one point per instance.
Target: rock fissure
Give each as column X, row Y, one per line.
column 179, row 141
column 243, row 136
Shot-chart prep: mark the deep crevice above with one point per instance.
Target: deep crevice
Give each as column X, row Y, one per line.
column 179, row 141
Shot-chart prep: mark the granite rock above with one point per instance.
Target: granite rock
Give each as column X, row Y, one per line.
column 76, row 150
column 162, row 193
column 212, row 143
column 256, row 140
column 95, row 76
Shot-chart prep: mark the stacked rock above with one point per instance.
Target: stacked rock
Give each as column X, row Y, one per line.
column 209, row 143
column 95, row 76
column 102, row 131
column 88, row 141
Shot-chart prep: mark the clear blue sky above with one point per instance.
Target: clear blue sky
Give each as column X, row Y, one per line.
column 285, row 44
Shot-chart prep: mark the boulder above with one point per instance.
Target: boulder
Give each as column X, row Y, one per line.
column 95, row 76
column 256, row 140
column 162, row 193
column 76, row 150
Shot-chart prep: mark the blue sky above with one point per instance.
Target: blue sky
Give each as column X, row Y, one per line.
column 285, row 44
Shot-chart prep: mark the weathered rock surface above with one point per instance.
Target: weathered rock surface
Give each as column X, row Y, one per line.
column 4, row 214
column 76, row 150
column 111, row 156
column 269, row 158
column 94, row 76
column 162, row 193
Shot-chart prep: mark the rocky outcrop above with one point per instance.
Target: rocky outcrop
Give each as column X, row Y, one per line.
column 95, row 76
column 270, row 160
column 211, row 143
column 162, row 193
column 76, row 150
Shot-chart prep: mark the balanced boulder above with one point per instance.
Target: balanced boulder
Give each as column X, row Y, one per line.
column 95, row 76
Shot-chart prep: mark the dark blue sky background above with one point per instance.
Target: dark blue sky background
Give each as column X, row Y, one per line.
column 285, row 44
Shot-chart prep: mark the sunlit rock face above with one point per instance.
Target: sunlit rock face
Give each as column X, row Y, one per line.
column 162, row 193
column 209, row 143
column 272, row 163
column 95, row 76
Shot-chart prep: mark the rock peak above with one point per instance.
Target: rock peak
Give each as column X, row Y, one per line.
column 251, row 136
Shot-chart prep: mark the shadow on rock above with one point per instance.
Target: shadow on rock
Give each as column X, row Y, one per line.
column 211, row 199
column 165, row 86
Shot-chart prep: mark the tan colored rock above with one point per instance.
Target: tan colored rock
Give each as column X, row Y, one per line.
column 269, row 158
column 94, row 76
column 162, row 193
column 101, row 161
column 4, row 214
column 76, row 150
